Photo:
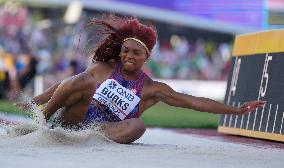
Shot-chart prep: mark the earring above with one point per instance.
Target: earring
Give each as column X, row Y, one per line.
column 146, row 60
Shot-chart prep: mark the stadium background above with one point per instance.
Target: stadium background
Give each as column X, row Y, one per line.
column 39, row 38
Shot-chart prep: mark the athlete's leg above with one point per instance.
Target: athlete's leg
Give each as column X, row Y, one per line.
column 125, row 131
column 73, row 115
column 74, row 93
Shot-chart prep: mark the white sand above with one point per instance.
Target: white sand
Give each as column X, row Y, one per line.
column 157, row 148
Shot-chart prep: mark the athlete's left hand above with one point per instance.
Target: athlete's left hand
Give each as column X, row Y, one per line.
column 250, row 106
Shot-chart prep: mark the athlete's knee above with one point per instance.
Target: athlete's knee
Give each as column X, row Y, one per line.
column 132, row 130
column 137, row 127
column 83, row 80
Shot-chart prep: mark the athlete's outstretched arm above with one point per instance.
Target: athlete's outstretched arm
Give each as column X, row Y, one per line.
column 70, row 92
column 167, row 95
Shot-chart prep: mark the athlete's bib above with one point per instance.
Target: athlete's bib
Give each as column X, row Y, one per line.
column 118, row 99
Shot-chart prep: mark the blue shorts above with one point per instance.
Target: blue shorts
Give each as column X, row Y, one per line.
column 98, row 115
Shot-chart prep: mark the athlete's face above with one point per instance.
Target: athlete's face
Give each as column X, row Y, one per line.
column 133, row 55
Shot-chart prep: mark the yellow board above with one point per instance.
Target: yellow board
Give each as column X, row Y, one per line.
column 250, row 133
column 259, row 43
column 2, row 75
column 249, row 45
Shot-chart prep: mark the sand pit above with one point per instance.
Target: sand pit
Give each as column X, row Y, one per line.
column 158, row 148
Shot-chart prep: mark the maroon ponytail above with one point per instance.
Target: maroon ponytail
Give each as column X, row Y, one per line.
column 117, row 29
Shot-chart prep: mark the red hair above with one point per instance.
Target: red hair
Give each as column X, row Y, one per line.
column 117, row 29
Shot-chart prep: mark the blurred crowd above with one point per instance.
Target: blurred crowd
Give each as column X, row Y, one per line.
column 50, row 48
column 23, row 55
column 177, row 58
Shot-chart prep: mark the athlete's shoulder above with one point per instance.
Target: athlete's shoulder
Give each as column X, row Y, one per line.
column 159, row 88
column 148, row 81
column 151, row 82
column 153, row 85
